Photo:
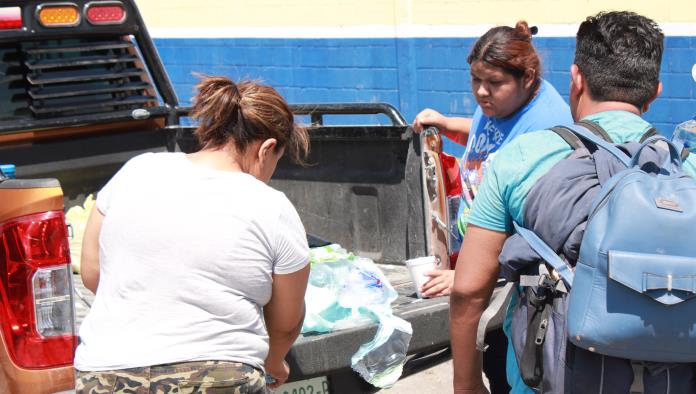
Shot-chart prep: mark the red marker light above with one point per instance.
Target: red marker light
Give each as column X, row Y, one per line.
column 105, row 13
column 10, row 18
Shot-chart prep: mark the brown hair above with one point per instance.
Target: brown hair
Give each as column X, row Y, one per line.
column 244, row 112
column 508, row 48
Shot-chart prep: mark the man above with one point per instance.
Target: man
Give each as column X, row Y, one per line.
column 614, row 78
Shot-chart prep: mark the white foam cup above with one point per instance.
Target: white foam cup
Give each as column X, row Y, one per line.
column 418, row 267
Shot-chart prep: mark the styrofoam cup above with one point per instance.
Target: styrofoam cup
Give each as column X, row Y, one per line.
column 418, row 267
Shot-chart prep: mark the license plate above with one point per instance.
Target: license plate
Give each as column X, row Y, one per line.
column 310, row 386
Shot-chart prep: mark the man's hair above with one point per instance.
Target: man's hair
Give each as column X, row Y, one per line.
column 619, row 54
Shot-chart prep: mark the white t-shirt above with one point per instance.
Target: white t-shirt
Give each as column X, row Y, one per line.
column 186, row 258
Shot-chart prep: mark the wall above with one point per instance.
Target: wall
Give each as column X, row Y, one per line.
column 411, row 53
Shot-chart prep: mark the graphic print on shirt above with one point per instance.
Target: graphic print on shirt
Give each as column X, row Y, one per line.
column 474, row 164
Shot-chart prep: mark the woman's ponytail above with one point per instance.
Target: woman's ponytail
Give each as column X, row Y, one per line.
column 245, row 112
column 217, row 109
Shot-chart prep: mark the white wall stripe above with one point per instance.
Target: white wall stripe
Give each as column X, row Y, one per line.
column 381, row 31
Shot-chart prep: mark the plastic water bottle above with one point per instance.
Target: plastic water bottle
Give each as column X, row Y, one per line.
column 8, row 170
column 685, row 135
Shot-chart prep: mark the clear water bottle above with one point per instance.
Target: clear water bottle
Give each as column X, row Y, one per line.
column 685, row 135
column 8, row 170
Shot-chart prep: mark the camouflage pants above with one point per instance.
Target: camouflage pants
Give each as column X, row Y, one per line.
column 205, row 377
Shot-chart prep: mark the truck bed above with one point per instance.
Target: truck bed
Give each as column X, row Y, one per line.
column 363, row 190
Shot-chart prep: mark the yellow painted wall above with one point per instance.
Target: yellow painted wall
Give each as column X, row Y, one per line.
column 278, row 13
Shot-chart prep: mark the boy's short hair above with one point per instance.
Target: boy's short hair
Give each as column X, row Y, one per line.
column 619, row 54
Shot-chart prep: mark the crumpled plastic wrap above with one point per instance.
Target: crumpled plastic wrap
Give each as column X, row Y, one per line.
column 76, row 218
column 346, row 291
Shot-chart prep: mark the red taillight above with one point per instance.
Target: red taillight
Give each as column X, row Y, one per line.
column 105, row 13
column 36, row 291
column 10, row 18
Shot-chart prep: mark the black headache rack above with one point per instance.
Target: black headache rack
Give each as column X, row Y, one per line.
column 86, row 74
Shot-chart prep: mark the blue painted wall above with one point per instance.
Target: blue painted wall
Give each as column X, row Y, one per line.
column 411, row 74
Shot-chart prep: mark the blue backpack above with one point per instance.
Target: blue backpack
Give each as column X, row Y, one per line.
column 631, row 293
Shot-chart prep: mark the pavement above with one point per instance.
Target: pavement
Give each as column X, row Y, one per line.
column 434, row 380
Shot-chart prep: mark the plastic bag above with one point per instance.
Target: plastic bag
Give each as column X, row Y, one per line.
column 381, row 361
column 347, row 291
column 76, row 218
column 330, row 265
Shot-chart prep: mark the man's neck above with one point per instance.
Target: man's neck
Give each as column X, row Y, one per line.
column 595, row 107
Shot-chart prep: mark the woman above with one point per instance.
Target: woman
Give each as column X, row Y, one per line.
column 199, row 267
column 513, row 99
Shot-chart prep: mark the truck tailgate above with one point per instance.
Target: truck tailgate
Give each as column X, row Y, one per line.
column 326, row 353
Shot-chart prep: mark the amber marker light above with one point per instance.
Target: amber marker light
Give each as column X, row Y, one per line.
column 58, row 15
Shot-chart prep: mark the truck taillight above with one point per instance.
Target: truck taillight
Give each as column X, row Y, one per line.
column 53, row 301
column 36, row 291
column 453, row 189
column 105, row 13
column 10, row 18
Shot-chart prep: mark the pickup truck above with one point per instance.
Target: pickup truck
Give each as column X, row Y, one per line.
column 82, row 90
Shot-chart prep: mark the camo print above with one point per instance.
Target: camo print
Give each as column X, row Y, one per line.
column 204, row 377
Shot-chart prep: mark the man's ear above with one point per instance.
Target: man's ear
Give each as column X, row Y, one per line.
column 267, row 148
column 577, row 80
column 658, row 91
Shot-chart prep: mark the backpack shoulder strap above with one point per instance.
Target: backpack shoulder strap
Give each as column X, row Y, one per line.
column 495, row 308
column 650, row 133
column 575, row 142
column 596, row 129
column 587, row 135
column 653, row 132
column 546, row 253
column 569, row 137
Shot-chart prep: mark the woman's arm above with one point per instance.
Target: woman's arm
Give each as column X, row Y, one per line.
column 89, row 261
column 284, row 315
column 455, row 128
column 458, row 130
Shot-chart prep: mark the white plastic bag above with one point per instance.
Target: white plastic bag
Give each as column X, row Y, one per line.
column 347, row 291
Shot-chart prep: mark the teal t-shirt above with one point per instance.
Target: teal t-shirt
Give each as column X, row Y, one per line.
column 515, row 170
column 520, row 164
